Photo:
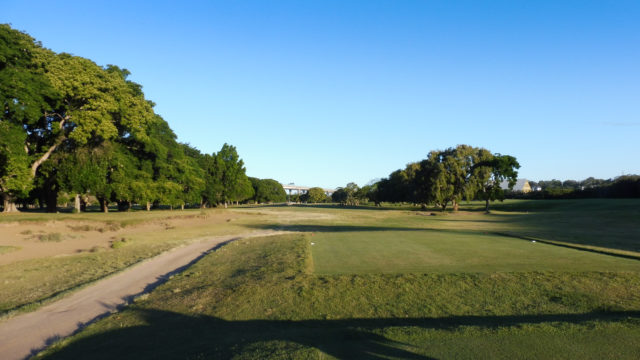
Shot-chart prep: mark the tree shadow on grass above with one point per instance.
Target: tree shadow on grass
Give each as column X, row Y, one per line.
column 169, row 335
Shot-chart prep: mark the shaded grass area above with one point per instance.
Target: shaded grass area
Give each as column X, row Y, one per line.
column 608, row 223
column 257, row 298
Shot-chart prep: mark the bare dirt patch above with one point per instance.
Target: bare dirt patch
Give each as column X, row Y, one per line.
column 68, row 237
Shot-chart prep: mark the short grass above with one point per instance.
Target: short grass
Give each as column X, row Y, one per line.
column 258, row 298
column 451, row 251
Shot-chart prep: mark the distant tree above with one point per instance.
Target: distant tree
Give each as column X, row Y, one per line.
column 625, row 186
column 268, row 191
column 592, row 182
column 212, row 191
column 316, row 195
column 372, row 193
column 339, row 196
column 571, row 184
column 433, row 184
column 490, row 171
column 400, row 186
column 457, row 164
column 347, row 195
column 243, row 191
column 231, row 172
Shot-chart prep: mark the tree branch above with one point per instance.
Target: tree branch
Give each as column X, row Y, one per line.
column 45, row 156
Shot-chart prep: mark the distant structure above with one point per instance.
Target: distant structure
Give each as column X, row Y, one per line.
column 522, row 185
column 295, row 189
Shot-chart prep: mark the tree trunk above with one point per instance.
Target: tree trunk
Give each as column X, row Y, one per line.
column 486, row 206
column 52, row 201
column 225, row 204
column 148, row 206
column 181, row 206
column 124, row 205
column 76, row 203
column 9, row 204
column 104, row 205
column 455, row 205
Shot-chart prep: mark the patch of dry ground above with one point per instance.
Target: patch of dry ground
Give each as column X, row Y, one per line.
column 68, row 237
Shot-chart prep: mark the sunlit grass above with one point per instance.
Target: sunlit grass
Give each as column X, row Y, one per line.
column 258, row 298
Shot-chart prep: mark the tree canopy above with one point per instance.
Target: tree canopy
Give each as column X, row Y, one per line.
column 449, row 176
column 70, row 125
column 267, row 191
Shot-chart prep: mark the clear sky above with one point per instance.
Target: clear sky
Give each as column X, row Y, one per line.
column 322, row 93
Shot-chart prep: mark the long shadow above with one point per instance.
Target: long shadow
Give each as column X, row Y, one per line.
column 169, row 335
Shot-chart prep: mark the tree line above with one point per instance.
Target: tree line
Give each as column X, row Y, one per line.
column 624, row 186
column 445, row 177
column 70, row 126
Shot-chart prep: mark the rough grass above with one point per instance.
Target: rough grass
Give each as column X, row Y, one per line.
column 8, row 249
column 260, row 298
column 257, row 298
column 28, row 284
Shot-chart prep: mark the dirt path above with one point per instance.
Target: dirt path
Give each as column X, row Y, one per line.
column 24, row 335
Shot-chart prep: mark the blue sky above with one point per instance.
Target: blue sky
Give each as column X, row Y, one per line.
column 322, row 93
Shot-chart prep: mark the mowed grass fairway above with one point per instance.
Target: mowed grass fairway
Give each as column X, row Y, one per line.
column 437, row 251
column 396, row 283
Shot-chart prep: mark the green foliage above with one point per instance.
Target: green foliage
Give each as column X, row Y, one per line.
column 15, row 175
column 70, row 125
column 232, row 174
column 349, row 195
column 316, row 195
column 490, row 171
column 449, row 176
column 268, row 191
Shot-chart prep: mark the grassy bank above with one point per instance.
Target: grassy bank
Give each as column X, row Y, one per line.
column 258, row 298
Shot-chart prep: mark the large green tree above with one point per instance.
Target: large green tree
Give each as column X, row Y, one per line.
column 25, row 94
column 15, row 177
column 488, row 173
column 267, row 191
column 231, row 173
column 316, row 195
column 347, row 195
